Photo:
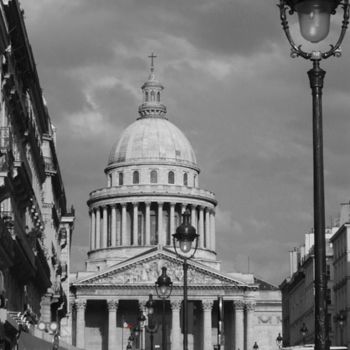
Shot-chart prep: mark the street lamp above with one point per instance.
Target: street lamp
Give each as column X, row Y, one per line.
column 53, row 329
column 164, row 287
column 152, row 326
column 279, row 341
column 341, row 318
column 183, row 238
column 304, row 331
column 314, row 18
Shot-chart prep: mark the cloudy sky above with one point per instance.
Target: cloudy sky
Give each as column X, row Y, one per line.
column 231, row 86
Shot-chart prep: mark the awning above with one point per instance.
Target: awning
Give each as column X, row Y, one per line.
column 28, row 341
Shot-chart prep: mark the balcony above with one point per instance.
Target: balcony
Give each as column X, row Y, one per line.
column 151, row 190
column 50, row 167
column 6, row 246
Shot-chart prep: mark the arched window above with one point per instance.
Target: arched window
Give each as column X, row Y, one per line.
column 195, row 180
column 135, row 177
column 120, row 179
column 152, row 96
column 185, row 179
column 154, row 177
column 146, row 96
column 171, row 177
column 158, row 96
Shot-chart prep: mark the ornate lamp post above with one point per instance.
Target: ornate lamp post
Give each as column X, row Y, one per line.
column 314, row 20
column 164, row 287
column 141, row 320
column 152, row 326
column 185, row 235
column 304, row 331
column 279, row 341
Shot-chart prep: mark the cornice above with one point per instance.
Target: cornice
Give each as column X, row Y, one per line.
column 142, row 191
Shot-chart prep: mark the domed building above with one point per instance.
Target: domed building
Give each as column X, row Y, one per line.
column 152, row 178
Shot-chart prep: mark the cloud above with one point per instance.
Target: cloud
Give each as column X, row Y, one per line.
column 230, row 85
column 225, row 222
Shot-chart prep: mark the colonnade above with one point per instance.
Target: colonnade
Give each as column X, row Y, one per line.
column 240, row 336
column 138, row 223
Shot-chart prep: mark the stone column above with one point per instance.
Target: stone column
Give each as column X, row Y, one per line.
column 172, row 220
column 212, row 230
column 135, row 222
column 239, row 324
column 176, row 337
column 201, row 227
column 250, row 306
column 143, row 310
column 93, row 230
column 119, row 226
column 124, row 233
column 80, row 331
column 105, row 227
column 112, row 324
column 69, row 316
column 207, row 334
column 207, row 229
column 98, row 228
column 193, row 217
column 114, row 226
column 148, row 223
column 161, row 233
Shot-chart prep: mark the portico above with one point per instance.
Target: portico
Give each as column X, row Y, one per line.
column 106, row 302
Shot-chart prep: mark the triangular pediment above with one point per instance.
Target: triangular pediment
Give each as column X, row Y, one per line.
column 144, row 270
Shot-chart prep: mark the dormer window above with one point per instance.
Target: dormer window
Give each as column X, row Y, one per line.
column 120, row 179
column 154, row 177
column 135, row 177
column 171, row 177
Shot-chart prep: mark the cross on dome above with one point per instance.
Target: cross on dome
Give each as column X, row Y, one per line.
column 152, row 57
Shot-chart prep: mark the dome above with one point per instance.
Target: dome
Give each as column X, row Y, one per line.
column 154, row 140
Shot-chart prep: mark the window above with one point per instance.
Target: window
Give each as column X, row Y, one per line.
column 171, row 177
column 152, row 96
column 135, row 177
column 328, row 271
column 146, row 96
column 158, row 96
column 121, row 179
column 185, row 179
column 154, row 177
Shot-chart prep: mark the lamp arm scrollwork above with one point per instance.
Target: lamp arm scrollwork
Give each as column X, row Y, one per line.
column 296, row 50
column 335, row 49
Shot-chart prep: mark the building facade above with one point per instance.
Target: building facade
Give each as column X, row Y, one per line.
column 35, row 224
column 341, row 263
column 298, row 289
column 152, row 177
